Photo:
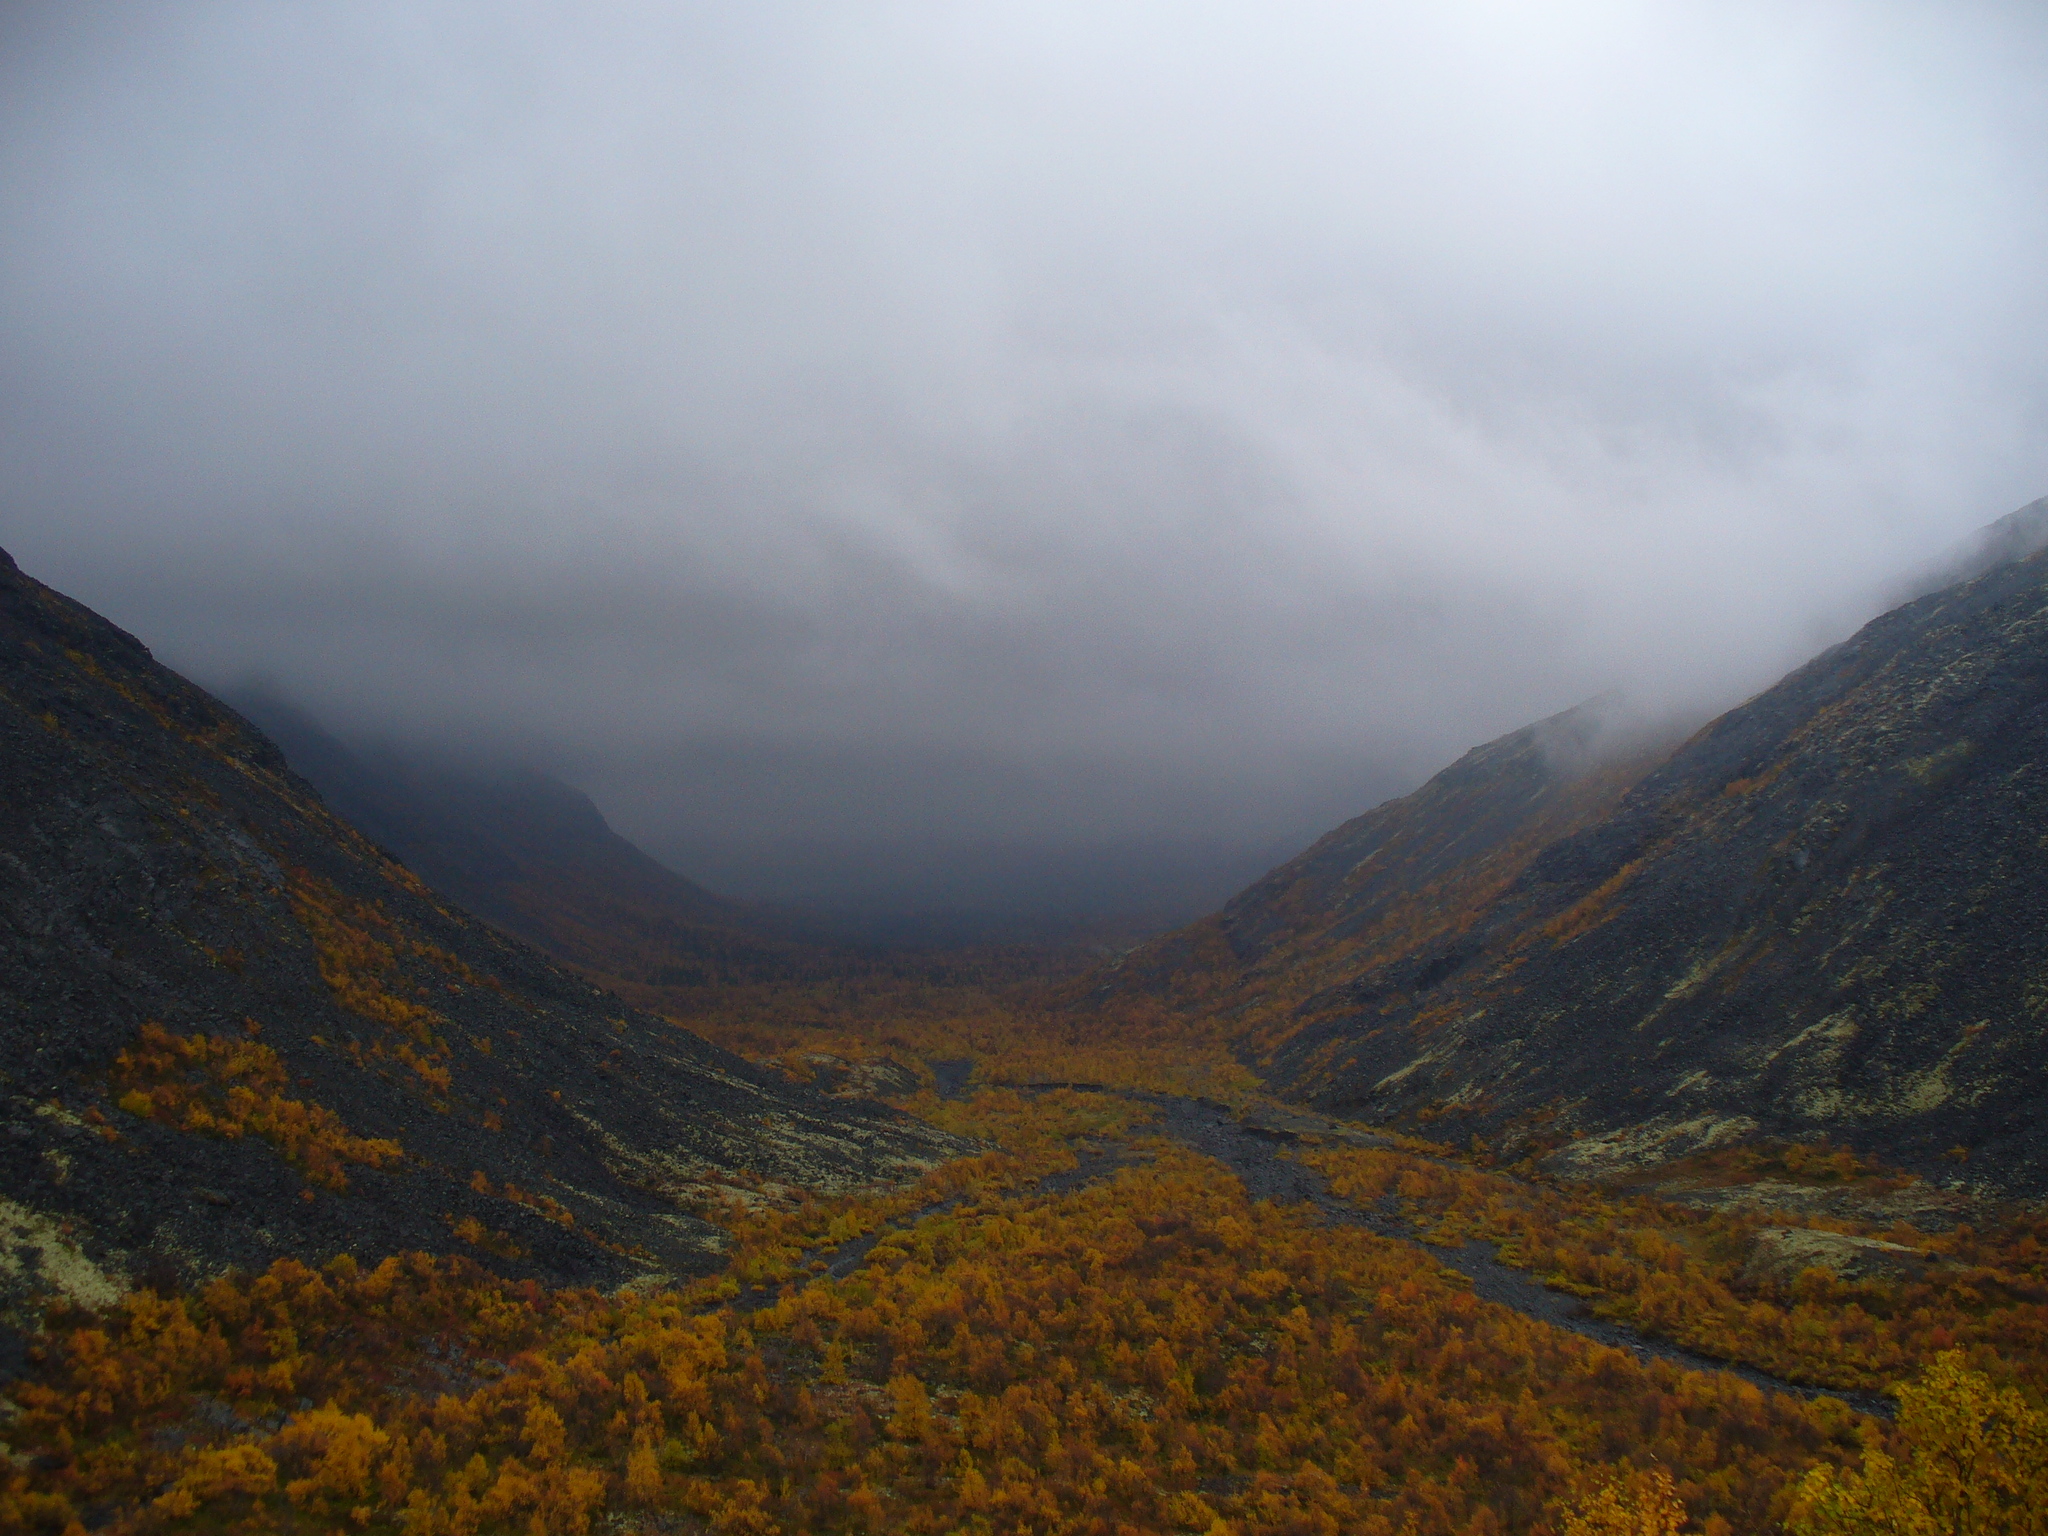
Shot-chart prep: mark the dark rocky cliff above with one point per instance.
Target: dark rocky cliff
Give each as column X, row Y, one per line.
column 1822, row 914
column 161, row 866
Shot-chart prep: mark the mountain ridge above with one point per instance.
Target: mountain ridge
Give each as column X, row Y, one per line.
column 1809, row 918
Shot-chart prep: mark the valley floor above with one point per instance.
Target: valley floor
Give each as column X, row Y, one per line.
column 1156, row 1303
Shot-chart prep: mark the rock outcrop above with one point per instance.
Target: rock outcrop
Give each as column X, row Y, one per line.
column 1780, row 1255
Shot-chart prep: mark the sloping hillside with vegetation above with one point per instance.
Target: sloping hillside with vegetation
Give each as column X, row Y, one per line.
column 339, row 1209
column 232, row 1029
column 1816, row 916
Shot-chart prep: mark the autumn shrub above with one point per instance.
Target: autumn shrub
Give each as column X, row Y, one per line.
column 364, row 959
column 1680, row 1273
column 217, row 1085
column 1642, row 1504
column 1154, row 1351
column 1966, row 1458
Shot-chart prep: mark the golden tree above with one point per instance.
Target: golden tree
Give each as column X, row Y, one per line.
column 1974, row 1462
column 1645, row 1504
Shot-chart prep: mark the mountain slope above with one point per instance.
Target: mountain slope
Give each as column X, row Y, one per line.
column 1391, row 894
column 231, row 1027
column 538, row 859
column 1822, row 914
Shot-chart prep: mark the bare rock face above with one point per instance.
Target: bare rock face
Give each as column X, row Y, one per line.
column 182, row 916
column 1779, row 1255
column 1924, row 1206
column 1664, row 1139
column 873, row 1078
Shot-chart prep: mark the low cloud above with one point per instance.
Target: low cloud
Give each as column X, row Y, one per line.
column 923, row 454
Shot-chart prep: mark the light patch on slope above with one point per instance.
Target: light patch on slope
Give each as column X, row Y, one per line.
column 1830, row 1035
column 36, row 1256
column 1703, row 966
column 1430, row 1058
column 1919, row 1093
column 1662, row 1140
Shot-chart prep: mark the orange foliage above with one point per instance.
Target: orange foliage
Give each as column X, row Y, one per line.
column 1157, row 1352
column 1645, row 1506
column 490, row 1239
column 214, row 1085
column 366, row 975
column 1591, row 910
column 1146, row 1051
column 1152, row 1352
column 1678, row 1272
column 1790, row 1162
column 771, row 1235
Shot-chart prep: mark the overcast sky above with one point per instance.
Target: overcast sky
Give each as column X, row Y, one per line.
column 924, row 453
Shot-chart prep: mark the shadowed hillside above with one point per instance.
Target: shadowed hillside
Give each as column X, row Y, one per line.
column 1395, row 890
column 232, row 1028
column 535, row 857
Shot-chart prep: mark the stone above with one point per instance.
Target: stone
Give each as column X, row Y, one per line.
column 1779, row 1255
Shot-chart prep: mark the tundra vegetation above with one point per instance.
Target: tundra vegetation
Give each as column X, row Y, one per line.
column 1149, row 1349
column 1059, row 1315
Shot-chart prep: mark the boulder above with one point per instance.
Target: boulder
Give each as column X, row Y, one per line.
column 1780, row 1254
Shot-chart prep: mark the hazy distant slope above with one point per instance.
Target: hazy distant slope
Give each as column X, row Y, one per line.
column 160, row 866
column 1824, row 912
column 534, row 856
column 1385, row 901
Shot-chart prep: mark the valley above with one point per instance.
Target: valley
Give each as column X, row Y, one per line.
column 463, row 1170
column 1139, row 1312
column 1023, row 770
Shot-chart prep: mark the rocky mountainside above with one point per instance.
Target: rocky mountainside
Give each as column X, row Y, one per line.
column 231, row 1027
column 1822, row 914
column 537, row 858
column 1393, row 891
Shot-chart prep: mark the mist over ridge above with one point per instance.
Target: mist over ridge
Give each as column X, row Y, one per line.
column 1039, row 457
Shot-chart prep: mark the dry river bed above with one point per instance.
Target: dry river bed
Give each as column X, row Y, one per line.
column 1256, row 1154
